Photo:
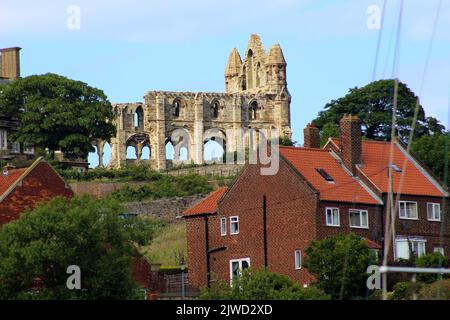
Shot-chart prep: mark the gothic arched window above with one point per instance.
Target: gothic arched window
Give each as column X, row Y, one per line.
column 253, row 111
column 215, row 110
column 176, row 108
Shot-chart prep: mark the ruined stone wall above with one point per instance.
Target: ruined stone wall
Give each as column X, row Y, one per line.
column 256, row 99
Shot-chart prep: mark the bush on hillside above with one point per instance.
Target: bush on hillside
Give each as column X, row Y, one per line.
column 165, row 187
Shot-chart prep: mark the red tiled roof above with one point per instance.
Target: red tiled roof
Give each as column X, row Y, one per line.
column 207, row 205
column 375, row 166
column 344, row 189
column 372, row 245
column 7, row 181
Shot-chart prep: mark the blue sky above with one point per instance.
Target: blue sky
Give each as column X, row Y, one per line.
column 129, row 47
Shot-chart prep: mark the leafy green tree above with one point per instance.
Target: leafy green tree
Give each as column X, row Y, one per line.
column 262, row 285
column 374, row 104
column 286, row 141
column 431, row 260
column 36, row 250
column 329, row 130
column 434, row 152
column 339, row 264
column 57, row 113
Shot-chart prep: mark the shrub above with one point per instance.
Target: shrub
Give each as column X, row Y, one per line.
column 431, row 260
column 439, row 290
column 262, row 285
column 405, row 290
column 165, row 187
column 130, row 172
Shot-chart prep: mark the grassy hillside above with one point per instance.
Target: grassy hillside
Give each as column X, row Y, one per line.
column 168, row 246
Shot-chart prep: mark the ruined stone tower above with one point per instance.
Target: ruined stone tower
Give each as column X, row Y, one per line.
column 256, row 97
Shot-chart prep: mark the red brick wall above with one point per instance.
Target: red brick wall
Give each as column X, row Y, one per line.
column 291, row 207
column 373, row 232
column 141, row 272
column 40, row 185
column 430, row 230
column 196, row 254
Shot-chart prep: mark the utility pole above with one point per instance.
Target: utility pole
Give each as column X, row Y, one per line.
column 264, row 207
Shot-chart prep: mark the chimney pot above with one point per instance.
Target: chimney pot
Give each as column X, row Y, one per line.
column 10, row 63
column 351, row 144
column 311, row 136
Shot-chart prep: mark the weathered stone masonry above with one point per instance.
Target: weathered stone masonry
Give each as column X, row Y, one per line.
column 256, row 97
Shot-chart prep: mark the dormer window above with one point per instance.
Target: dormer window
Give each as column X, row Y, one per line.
column 325, row 175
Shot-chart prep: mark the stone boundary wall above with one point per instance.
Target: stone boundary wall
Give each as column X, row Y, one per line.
column 166, row 209
column 217, row 170
column 100, row 189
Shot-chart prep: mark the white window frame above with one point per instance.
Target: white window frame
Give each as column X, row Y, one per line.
column 439, row 249
column 360, row 218
column 410, row 241
column 396, row 248
column 223, row 226
column 298, row 259
column 333, row 223
column 236, row 221
column 400, row 203
column 240, row 266
column 434, row 206
column 423, row 242
column 15, row 147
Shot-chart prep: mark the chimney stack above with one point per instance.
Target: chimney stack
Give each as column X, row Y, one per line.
column 351, row 146
column 311, row 136
column 10, row 63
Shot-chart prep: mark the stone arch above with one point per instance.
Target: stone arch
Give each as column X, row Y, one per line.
column 107, row 154
column 139, row 118
column 180, row 139
column 93, row 157
column 214, row 145
column 146, row 154
column 131, row 153
column 138, row 142
column 254, row 110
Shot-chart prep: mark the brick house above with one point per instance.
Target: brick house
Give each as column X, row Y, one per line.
column 339, row 189
column 22, row 189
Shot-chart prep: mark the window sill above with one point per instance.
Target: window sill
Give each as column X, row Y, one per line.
column 432, row 220
column 356, row 227
column 333, row 225
column 412, row 219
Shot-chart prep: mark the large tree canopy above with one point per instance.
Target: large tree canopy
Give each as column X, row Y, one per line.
column 57, row 113
column 37, row 249
column 339, row 264
column 374, row 104
column 434, row 152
